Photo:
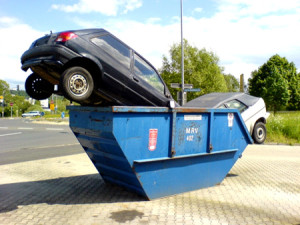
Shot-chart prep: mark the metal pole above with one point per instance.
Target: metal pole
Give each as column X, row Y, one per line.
column 182, row 58
column 55, row 103
column 3, row 105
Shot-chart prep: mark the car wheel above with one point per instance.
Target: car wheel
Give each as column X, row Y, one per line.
column 38, row 88
column 77, row 84
column 259, row 133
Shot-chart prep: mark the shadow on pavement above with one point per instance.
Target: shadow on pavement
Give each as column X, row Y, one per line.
column 87, row 189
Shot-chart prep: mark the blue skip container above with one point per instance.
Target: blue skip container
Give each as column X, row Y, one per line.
column 157, row 151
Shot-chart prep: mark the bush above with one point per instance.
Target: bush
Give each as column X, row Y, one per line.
column 284, row 127
column 35, row 108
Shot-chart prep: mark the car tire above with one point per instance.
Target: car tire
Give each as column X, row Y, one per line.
column 37, row 87
column 259, row 133
column 77, row 84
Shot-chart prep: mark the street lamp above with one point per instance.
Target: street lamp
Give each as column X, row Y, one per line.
column 182, row 58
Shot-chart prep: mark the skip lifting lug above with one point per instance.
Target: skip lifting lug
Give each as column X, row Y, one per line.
column 173, row 153
column 210, row 147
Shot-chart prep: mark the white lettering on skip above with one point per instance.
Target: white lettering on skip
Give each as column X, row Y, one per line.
column 191, row 130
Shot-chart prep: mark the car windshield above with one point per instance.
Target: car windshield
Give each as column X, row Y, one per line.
column 147, row 73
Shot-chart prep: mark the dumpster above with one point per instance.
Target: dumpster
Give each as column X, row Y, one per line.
column 158, row 151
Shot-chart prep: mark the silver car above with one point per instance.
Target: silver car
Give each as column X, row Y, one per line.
column 252, row 109
column 32, row 114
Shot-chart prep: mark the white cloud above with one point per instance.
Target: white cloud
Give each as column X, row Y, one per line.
column 15, row 39
column 150, row 39
column 153, row 20
column 257, row 7
column 242, row 42
column 244, row 34
column 131, row 5
column 253, row 31
column 108, row 8
column 197, row 10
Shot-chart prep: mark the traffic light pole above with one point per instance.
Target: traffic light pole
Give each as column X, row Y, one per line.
column 3, row 105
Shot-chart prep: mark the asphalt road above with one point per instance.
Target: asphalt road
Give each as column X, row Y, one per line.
column 23, row 140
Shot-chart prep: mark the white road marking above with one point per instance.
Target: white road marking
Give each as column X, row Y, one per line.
column 54, row 129
column 25, row 128
column 2, row 135
column 31, row 128
column 55, row 146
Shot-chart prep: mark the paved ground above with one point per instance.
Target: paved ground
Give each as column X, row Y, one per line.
column 262, row 188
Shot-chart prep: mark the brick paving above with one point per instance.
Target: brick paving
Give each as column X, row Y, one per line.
column 262, row 188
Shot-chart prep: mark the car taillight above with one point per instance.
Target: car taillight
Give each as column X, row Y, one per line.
column 65, row 36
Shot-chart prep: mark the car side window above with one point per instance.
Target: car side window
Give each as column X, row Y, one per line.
column 114, row 48
column 222, row 106
column 147, row 73
column 234, row 104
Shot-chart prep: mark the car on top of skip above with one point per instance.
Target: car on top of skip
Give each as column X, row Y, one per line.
column 252, row 109
column 92, row 67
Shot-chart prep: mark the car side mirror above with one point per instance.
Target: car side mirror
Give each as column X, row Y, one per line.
column 172, row 104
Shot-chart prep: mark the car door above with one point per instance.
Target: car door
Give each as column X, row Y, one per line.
column 115, row 58
column 147, row 81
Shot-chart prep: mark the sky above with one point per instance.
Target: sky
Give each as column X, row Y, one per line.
column 244, row 34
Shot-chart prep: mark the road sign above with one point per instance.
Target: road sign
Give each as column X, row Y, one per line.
column 192, row 89
column 11, row 104
column 177, row 85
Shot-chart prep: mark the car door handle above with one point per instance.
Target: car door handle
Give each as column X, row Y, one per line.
column 136, row 79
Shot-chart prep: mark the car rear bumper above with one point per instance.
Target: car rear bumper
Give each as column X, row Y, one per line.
column 53, row 55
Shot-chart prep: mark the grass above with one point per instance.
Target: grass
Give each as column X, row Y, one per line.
column 54, row 116
column 284, row 128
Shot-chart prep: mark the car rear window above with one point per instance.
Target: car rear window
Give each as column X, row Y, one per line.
column 234, row 104
column 147, row 73
column 114, row 48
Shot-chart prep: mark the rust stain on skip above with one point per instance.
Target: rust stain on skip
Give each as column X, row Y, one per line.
column 97, row 120
column 192, row 110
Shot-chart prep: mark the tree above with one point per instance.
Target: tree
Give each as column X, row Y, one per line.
column 4, row 89
column 294, row 88
column 6, row 96
column 200, row 69
column 20, row 104
column 232, row 83
column 19, row 92
column 277, row 83
column 275, row 91
column 35, row 108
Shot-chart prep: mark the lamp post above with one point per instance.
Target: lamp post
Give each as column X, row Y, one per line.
column 182, row 57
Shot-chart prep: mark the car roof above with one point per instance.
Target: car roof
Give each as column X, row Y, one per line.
column 89, row 31
column 213, row 100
